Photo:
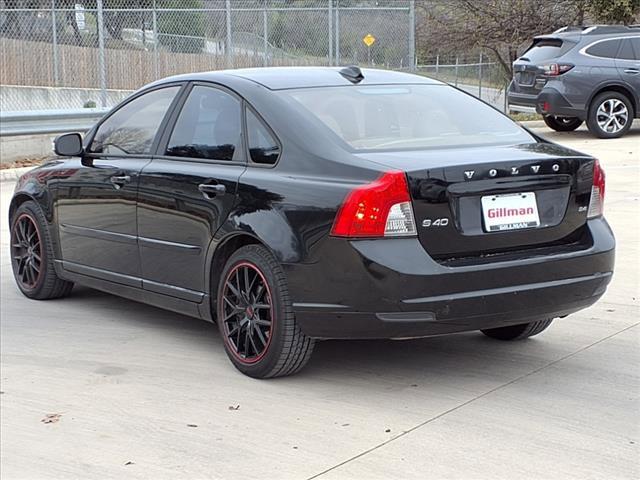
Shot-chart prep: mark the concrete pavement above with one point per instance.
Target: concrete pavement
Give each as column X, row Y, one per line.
column 144, row 393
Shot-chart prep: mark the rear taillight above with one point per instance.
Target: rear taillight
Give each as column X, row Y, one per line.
column 378, row 209
column 596, row 203
column 555, row 69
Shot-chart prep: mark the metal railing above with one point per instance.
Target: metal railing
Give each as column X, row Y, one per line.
column 48, row 121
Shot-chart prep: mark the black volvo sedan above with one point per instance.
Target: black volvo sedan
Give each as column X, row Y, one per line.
column 296, row 204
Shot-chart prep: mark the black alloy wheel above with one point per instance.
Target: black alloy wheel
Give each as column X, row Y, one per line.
column 562, row 124
column 255, row 316
column 247, row 312
column 26, row 252
column 32, row 257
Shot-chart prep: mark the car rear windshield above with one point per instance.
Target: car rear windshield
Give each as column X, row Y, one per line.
column 392, row 117
column 546, row 49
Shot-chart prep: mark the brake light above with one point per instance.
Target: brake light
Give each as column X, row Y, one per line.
column 555, row 69
column 381, row 208
column 596, row 203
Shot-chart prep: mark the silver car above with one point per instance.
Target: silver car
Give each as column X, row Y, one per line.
column 575, row 75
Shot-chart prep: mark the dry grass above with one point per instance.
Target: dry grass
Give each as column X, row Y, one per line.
column 25, row 162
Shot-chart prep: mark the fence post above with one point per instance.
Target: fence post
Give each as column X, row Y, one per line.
column 228, row 45
column 54, row 39
column 505, row 107
column 102, row 72
column 480, row 76
column 437, row 65
column 457, row 61
column 337, row 32
column 412, row 35
column 330, row 15
column 156, row 39
column 265, row 33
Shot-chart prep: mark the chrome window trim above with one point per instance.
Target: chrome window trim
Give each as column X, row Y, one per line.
column 583, row 50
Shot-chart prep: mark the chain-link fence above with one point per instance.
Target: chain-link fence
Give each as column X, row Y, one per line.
column 64, row 54
column 478, row 74
column 60, row 54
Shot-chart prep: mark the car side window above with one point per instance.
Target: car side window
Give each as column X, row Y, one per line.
column 626, row 50
column 133, row 127
column 635, row 45
column 209, row 126
column 604, row 49
column 263, row 147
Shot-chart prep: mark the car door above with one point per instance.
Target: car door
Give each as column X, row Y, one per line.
column 628, row 62
column 188, row 190
column 96, row 199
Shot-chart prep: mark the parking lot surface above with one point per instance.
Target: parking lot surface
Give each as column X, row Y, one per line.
column 132, row 391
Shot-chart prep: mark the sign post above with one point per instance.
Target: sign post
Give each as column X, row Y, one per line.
column 369, row 40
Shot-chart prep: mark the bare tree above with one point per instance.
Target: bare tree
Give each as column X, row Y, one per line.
column 504, row 27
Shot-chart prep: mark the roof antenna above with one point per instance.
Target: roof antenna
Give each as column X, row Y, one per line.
column 352, row 73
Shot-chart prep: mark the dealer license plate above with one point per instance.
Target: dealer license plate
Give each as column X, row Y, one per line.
column 513, row 211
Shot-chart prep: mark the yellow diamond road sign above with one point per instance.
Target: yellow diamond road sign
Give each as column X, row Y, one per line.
column 369, row 39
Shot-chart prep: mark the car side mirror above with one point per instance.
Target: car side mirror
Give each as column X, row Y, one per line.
column 68, row 145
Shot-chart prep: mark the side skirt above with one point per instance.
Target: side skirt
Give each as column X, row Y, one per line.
column 137, row 294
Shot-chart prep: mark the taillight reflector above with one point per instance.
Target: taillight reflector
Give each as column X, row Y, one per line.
column 555, row 69
column 596, row 202
column 381, row 208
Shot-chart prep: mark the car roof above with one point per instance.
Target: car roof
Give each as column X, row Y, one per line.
column 281, row 78
column 591, row 33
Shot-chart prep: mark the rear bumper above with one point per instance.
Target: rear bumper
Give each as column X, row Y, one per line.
column 393, row 289
column 548, row 102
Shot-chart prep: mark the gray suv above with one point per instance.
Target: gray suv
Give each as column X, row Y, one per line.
column 581, row 74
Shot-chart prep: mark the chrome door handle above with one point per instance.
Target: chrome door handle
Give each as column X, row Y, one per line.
column 212, row 189
column 120, row 180
column 632, row 71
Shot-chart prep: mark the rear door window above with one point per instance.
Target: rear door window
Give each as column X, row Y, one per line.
column 604, row 49
column 633, row 48
column 626, row 51
column 209, row 126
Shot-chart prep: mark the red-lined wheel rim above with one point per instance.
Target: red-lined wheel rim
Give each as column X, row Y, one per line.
column 26, row 252
column 246, row 313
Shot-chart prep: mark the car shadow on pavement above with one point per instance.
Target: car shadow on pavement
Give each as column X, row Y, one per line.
column 431, row 359
column 135, row 313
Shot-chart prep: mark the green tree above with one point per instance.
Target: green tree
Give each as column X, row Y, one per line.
column 614, row 11
column 183, row 29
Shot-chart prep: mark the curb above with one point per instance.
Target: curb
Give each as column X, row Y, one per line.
column 12, row 174
column 533, row 123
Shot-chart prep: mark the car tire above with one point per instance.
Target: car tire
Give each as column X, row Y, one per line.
column 562, row 124
column 32, row 258
column 255, row 316
column 518, row 332
column 599, row 114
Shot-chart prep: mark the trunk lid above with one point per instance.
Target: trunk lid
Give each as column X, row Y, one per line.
column 447, row 187
column 528, row 78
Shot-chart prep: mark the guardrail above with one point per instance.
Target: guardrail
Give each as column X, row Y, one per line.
column 41, row 122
